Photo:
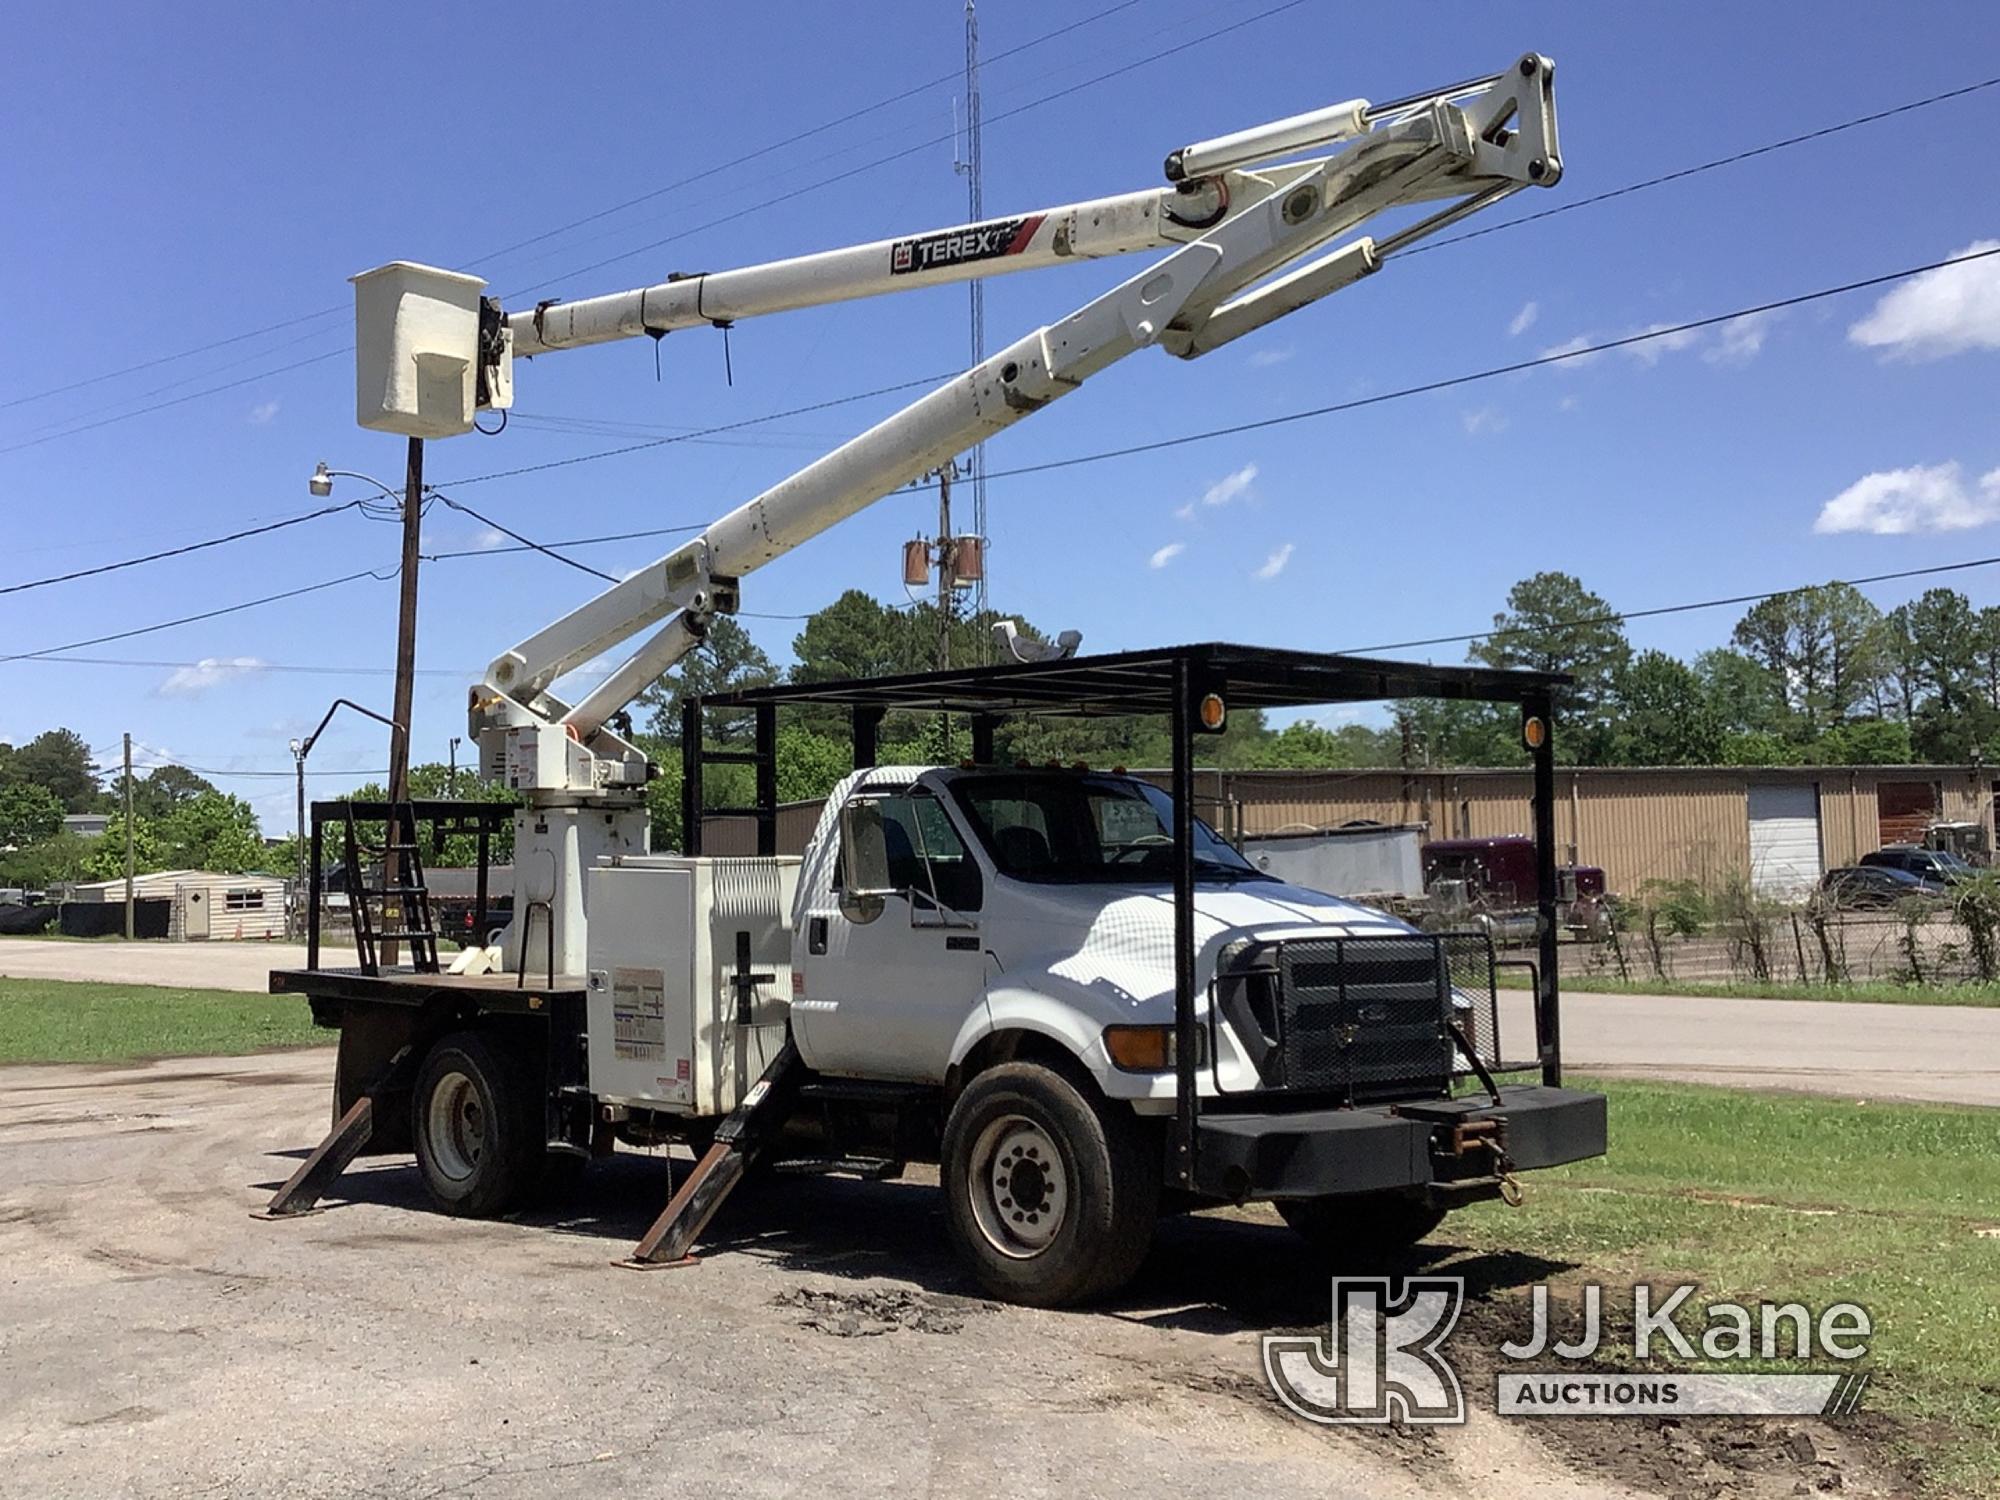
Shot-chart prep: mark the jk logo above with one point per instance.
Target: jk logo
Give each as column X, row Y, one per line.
column 1380, row 1358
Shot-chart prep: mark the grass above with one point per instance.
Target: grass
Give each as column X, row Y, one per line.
column 1876, row 991
column 1771, row 1196
column 51, row 1021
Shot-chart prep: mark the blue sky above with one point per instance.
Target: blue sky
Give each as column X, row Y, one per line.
column 180, row 175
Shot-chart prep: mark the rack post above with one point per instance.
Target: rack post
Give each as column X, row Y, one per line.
column 767, row 779
column 1182, row 728
column 691, row 798
column 1548, row 1010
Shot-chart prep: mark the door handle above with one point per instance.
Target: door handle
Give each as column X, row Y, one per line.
column 816, row 935
column 965, row 943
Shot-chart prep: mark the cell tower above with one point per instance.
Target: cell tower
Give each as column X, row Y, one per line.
column 975, row 200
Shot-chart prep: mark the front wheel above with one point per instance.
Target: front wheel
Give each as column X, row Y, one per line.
column 1050, row 1193
column 1358, row 1226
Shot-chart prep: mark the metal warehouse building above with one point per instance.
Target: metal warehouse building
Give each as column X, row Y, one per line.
column 1781, row 826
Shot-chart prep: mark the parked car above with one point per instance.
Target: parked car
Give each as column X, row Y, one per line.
column 1926, row 864
column 1875, row 887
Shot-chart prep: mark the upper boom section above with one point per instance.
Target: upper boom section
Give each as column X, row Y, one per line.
column 431, row 349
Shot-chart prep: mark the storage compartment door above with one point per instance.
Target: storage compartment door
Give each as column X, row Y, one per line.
column 641, row 995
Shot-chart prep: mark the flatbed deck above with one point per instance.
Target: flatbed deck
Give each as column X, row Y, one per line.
column 407, row 987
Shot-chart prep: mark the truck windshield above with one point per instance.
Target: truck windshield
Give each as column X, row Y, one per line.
column 1063, row 826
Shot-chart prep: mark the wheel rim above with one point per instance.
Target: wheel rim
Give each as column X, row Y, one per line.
column 1018, row 1186
column 456, row 1127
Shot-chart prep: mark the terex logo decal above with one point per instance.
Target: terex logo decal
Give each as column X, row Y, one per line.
column 954, row 247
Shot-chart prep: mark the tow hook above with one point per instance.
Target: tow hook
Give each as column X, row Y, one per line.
column 1489, row 1136
column 1510, row 1190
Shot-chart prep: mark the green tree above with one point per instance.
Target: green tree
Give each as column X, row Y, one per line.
column 1552, row 623
column 105, row 856
column 1864, row 742
column 1758, row 748
column 54, row 861
column 210, row 831
column 29, row 814
column 1822, row 646
column 1745, row 695
column 727, row 660
column 1445, row 732
column 1662, row 716
column 58, row 759
column 433, row 781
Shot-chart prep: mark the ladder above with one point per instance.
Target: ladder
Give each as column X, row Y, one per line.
column 405, row 904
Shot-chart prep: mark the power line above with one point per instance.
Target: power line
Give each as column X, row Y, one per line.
column 829, row 180
column 152, row 557
column 211, row 614
column 1618, row 617
column 1680, row 174
column 227, row 385
column 1709, row 166
column 581, row 541
column 691, row 178
column 701, row 432
column 524, row 541
column 797, row 137
column 1552, row 358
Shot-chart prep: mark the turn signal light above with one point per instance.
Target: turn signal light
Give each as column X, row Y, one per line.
column 1213, row 712
column 1534, row 731
column 1146, row 1049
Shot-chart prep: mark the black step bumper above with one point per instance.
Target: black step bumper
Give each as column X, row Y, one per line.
column 1386, row 1146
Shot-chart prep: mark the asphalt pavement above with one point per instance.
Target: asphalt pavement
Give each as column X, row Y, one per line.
column 1938, row 1053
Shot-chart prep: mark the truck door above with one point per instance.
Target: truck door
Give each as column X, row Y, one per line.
column 894, row 961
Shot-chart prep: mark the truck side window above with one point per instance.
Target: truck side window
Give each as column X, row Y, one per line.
column 906, row 843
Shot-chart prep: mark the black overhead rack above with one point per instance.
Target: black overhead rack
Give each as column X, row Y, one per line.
column 1175, row 681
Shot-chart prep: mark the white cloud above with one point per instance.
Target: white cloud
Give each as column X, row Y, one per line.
column 1263, row 359
column 263, row 411
column 1483, row 421
column 1740, row 340
column 1166, row 554
column 210, row 671
column 1568, row 403
column 1524, row 319
column 488, row 538
column 1667, row 342
column 1947, row 311
column 1275, row 563
column 1570, row 351
column 1230, row 486
column 1894, row 502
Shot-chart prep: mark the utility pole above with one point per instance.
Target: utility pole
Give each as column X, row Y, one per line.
column 944, row 570
column 299, row 870
column 973, row 167
column 406, row 668
column 130, row 931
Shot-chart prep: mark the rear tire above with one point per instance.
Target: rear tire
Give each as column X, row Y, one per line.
column 476, row 1125
column 1360, row 1226
column 1050, row 1193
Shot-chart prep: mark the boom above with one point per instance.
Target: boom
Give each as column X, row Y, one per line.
column 1248, row 233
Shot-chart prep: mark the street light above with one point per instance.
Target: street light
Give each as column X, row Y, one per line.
column 411, row 500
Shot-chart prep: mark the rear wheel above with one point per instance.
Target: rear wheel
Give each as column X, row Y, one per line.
column 1050, row 1193
column 1356, row 1226
column 474, row 1123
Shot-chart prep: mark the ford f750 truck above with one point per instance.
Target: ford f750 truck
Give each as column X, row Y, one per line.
column 1054, row 982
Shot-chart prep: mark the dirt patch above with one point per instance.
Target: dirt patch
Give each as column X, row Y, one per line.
column 1694, row 1458
column 850, row 1315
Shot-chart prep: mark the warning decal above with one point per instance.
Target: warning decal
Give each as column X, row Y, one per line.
column 639, row 1014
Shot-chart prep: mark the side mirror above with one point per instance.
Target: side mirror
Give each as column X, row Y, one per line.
column 864, row 861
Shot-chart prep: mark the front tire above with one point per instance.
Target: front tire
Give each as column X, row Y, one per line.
column 1361, row 1226
column 474, row 1124
column 1050, row 1193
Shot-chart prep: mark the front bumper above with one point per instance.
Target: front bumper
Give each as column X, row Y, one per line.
column 1376, row 1148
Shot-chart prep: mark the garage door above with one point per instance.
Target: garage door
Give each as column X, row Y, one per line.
column 1784, row 839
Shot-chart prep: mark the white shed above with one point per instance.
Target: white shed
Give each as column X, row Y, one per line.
column 205, row 904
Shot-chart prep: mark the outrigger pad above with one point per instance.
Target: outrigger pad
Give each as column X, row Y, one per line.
column 738, row 1139
column 332, row 1156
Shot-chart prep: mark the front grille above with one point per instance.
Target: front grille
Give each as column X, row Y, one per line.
column 1365, row 1016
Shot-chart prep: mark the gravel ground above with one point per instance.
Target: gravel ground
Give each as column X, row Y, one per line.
column 156, row 1341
